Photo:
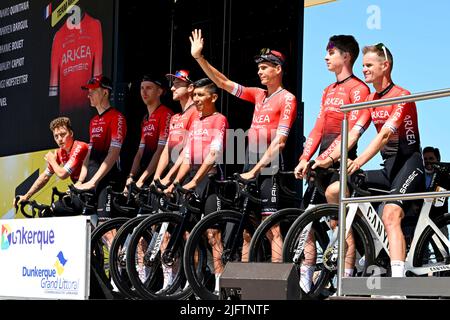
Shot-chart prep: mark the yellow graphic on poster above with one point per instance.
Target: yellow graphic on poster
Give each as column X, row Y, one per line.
column 62, row 10
column 24, row 167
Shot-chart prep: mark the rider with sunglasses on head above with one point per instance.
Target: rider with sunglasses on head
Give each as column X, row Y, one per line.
column 274, row 114
column 399, row 143
column 341, row 54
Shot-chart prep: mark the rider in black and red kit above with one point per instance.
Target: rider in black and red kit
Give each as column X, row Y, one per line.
column 154, row 131
column 107, row 131
column 398, row 141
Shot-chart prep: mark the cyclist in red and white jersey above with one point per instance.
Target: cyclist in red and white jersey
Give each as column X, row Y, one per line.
column 65, row 162
column 341, row 54
column 101, row 166
column 203, row 154
column 180, row 123
column 274, row 114
column 398, row 141
column 154, row 131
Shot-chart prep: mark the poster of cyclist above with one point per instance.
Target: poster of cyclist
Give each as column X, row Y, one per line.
column 48, row 49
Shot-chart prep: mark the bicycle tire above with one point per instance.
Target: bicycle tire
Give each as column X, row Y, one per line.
column 427, row 251
column 199, row 274
column 151, row 287
column 325, row 271
column 100, row 250
column 117, row 258
column 260, row 247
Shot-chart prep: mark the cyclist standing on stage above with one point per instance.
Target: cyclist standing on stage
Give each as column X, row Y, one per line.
column 64, row 162
column 180, row 123
column 341, row 54
column 274, row 114
column 202, row 156
column 107, row 131
column 398, row 141
column 154, row 131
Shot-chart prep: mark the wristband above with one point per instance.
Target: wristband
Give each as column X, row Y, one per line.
column 331, row 159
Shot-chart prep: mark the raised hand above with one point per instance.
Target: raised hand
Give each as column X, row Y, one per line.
column 196, row 43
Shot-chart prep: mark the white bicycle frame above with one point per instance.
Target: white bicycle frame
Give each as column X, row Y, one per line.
column 379, row 235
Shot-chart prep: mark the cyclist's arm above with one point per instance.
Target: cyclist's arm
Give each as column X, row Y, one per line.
column 373, row 148
column 357, row 128
column 40, row 182
column 151, row 166
column 84, row 168
column 163, row 162
column 60, row 172
column 272, row 152
column 185, row 167
column 173, row 171
column 314, row 138
column 215, row 75
column 136, row 163
column 105, row 167
column 206, row 166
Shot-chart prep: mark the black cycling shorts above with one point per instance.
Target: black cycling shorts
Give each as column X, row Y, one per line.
column 400, row 175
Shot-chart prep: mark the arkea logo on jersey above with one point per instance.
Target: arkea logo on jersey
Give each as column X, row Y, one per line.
column 150, row 128
column 73, row 55
column 261, row 119
column 380, row 114
column 97, row 130
column 409, row 130
column 334, row 101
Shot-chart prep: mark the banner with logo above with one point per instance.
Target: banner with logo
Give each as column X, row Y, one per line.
column 45, row 258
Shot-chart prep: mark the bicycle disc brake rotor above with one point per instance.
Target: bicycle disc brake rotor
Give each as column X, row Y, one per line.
column 330, row 258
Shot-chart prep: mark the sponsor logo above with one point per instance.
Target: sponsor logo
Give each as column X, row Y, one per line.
column 25, row 237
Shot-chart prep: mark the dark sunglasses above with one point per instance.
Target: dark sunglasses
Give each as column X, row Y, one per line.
column 380, row 46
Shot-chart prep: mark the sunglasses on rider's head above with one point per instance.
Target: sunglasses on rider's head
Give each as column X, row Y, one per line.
column 380, row 46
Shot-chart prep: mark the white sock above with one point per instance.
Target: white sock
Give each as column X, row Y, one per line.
column 217, row 287
column 397, row 268
column 168, row 276
column 348, row 272
column 306, row 275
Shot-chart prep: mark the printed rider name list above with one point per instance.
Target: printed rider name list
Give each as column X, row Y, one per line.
column 13, row 21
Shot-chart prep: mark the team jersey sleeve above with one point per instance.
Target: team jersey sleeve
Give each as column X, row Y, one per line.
column 118, row 131
column 54, row 68
column 399, row 111
column 98, row 54
column 164, row 125
column 315, row 136
column 356, row 119
column 288, row 113
column 245, row 93
column 219, row 132
column 77, row 155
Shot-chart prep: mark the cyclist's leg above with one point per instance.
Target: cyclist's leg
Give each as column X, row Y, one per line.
column 269, row 198
column 408, row 179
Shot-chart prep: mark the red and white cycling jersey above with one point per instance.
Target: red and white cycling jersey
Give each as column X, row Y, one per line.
column 72, row 160
column 106, row 130
column 327, row 129
column 272, row 115
column 401, row 119
column 206, row 134
column 180, row 124
column 154, row 132
column 77, row 54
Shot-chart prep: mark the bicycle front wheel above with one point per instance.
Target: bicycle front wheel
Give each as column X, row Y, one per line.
column 154, row 257
column 431, row 250
column 312, row 243
column 214, row 242
column 262, row 249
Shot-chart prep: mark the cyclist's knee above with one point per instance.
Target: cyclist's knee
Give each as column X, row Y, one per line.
column 392, row 216
column 332, row 192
